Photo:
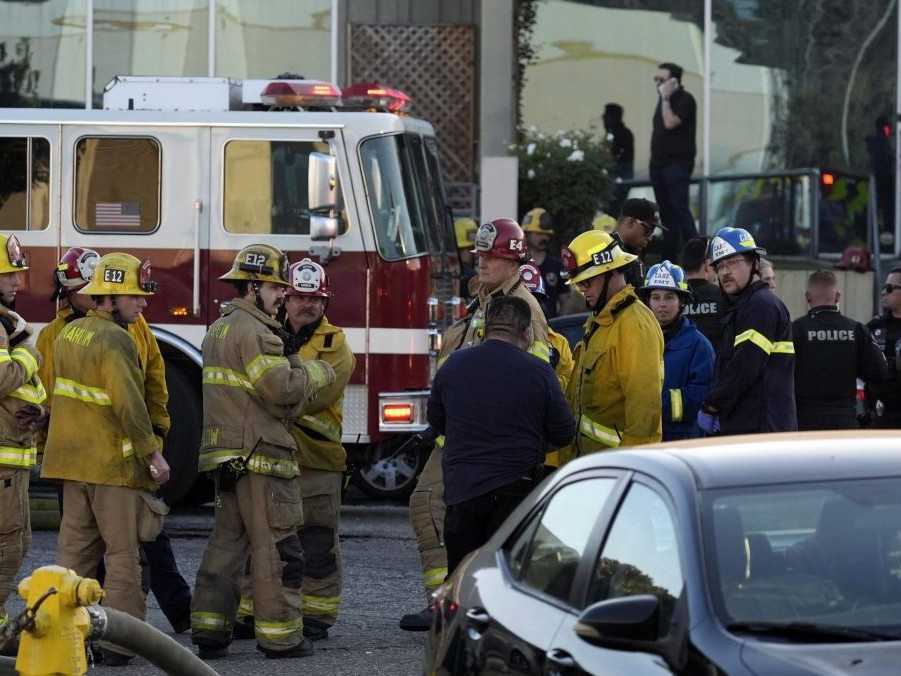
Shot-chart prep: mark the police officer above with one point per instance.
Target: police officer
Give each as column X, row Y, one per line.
column 22, row 396
column 251, row 393
column 615, row 387
column 886, row 331
column 831, row 353
column 704, row 307
column 101, row 441
column 753, row 387
column 634, row 230
column 500, row 248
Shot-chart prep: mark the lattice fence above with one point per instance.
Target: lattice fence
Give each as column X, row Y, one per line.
column 435, row 65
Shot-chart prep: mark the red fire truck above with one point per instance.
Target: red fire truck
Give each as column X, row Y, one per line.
column 186, row 172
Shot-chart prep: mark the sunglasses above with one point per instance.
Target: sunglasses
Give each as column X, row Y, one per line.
column 888, row 288
column 648, row 228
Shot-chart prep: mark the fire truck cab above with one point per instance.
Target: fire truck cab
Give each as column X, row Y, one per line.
column 187, row 171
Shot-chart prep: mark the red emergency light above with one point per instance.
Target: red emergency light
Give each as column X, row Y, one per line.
column 376, row 96
column 397, row 413
column 827, row 179
column 300, row 94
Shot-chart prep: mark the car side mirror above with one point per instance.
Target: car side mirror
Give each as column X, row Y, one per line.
column 322, row 182
column 632, row 624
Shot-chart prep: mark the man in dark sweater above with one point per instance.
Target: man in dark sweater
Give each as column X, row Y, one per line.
column 707, row 300
column 500, row 409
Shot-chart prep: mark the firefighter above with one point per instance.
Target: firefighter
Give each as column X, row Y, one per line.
column 753, row 387
column 72, row 274
column 23, row 397
column 634, row 229
column 539, row 231
column 884, row 399
column 687, row 355
column 251, row 394
column 615, row 387
column 465, row 231
column 827, row 397
column 500, row 247
column 322, row 458
column 109, row 472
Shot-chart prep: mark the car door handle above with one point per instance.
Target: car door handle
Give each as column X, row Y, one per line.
column 560, row 658
column 478, row 617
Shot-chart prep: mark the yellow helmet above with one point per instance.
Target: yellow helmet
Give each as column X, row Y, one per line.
column 12, row 256
column 120, row 274
column 593, row 253
column 604, row 223
column 466, row 232
column 259, row 263
column 537, row 220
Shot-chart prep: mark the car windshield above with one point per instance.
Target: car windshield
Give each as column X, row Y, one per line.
column 824, row 554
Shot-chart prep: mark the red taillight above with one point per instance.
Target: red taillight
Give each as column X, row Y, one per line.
column 397, row 413
column 300, row 93
column 827, row 179
column 376, row 96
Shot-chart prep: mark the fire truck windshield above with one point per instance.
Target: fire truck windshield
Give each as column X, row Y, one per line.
column 394, row 203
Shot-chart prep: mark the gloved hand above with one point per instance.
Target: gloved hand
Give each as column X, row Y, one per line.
column 709, row 422
column 21, row 326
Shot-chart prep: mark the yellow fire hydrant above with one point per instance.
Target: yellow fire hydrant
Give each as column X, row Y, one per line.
column 55, row 644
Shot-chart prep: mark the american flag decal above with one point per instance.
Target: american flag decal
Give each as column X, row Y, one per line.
column 117, row 215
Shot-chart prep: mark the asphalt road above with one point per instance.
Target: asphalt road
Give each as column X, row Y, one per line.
column 381, row 582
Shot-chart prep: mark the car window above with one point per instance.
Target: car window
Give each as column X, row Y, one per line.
column 546, row 554
column 640, row 555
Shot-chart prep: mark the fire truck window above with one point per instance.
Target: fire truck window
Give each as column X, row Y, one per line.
column 117, row 184
column 392, row 200
column 24, row 183
column 266, row 186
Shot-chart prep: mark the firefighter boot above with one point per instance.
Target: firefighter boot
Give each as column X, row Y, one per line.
column 302, row 649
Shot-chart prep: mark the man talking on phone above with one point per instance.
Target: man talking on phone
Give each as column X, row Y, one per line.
column 673, row 151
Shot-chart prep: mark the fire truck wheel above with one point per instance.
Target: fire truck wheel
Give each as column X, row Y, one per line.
column 389, row 476
column 183, row 441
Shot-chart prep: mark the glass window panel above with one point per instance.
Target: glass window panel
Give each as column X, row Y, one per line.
column 266, row 186
column 117, row 184
column 15, row 173
column 149, row 37
column 264, row 39
column 42, row 54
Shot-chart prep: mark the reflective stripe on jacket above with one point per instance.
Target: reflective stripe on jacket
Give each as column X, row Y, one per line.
column 100, row 430
column 688, row 359
column 20, row 386
column 615, row 387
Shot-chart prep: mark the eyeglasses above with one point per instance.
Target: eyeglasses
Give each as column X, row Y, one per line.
column 888, row 288
column 648, row 228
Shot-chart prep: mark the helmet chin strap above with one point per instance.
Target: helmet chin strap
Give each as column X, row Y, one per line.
column 755, row 270
column 602, row 298
column 258, row 298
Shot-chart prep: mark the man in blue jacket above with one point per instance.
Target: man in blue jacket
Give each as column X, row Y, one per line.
column 687, row 355
column 499, row 408
column 754, row 386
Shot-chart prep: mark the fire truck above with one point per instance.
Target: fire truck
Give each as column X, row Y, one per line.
column 187, row 171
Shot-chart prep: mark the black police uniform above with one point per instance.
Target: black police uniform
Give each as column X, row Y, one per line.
column 831, row 353
column 886, row 332
column 754, row 384
column 634, row 271
column 705, row 309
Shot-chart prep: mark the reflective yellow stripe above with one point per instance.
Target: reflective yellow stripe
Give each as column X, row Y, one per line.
column 13, row 456
column 260, row 364
column 274, row 629
column 541, row 350
column 245, row 607
column 210, row 460
column 127, row 448
column 675, row 405
column 75, row 390
column 26, row 360
column 33, row 394
column 600, row 433
column 317, row 373
column 214, row 375
column 434, row 577
column 440, row 441
column 209, row 622
column 326, row 428
column 761, row 341
column 280, row 467
column 321, row 605
column 4, row 356
column 784, row 347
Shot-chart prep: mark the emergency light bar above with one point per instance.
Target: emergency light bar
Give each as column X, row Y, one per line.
column 374, row 96
column 300, row 94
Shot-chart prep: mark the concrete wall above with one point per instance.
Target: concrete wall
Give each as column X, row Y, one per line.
column 856, row 289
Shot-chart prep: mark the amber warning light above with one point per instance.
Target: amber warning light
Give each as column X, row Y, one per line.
column 828, row 179
column 397, row 413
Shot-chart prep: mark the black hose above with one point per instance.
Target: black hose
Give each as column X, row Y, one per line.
column 8, row 665
column 162, row 651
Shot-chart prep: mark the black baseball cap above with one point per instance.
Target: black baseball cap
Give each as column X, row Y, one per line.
column 642, row 210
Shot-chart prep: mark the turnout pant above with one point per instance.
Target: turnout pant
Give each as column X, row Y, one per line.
column 15, row 529
column 427, row 518
column 101, row 519
column 258, row 517
column 321, row 492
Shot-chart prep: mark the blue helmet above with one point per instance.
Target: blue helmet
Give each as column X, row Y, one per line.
column 666, row 276
column 729, row 242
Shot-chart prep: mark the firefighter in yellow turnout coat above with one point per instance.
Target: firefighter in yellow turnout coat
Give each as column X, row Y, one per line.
column 108, row 472
column 500, row 247
column 21, row 399
column 615, row 386
column 322, row 458
column 251, row 395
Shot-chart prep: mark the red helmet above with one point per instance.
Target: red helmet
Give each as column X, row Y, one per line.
column 308, row 278
column 503, row 238
column 75, row 269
